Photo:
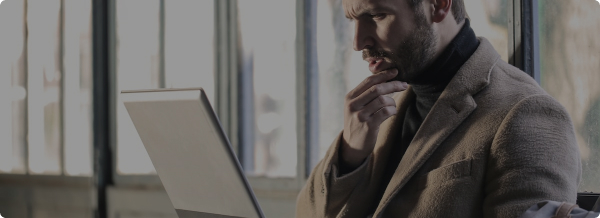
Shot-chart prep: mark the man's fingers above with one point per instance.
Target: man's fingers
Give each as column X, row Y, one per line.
column 374, row 106
column 374, row 92
column 366, row 113
column 381, row 115
column 371, row 81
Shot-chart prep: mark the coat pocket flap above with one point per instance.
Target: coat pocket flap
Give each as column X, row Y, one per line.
column 445, row 173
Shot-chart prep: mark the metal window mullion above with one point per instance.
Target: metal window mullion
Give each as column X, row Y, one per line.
column 26, row 84
column 530, row 38
column 518, row 45
column 114, row 84
column 226, row 70
column 222, row 94
column 161, row 45
column 301, row 95
column 103, row 108
column 30, row 88
column 309, row 149
column 222, row 64
column 233, row 81
column 245, row 120
column 61, row 100
column 511, row 31
column 536, row 42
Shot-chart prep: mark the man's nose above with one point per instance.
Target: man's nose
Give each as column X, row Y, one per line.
column 362, row 37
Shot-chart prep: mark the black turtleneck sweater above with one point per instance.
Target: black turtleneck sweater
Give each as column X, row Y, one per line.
column 428, row 87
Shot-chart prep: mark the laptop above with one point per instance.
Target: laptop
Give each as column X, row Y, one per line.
column 191, row 154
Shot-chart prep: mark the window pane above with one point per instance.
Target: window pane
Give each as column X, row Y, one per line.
column 13, row 82
column 188, row 54
column 341, row 68
column 137, row 23
column 489, row 19
column 77, row 59
column 44, row 84
column 189, row 49
column 269, row 56
column 570, row 51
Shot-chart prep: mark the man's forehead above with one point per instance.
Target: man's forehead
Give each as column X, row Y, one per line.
column 354, row 8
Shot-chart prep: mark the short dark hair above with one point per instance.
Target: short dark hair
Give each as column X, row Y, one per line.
column 458, row 9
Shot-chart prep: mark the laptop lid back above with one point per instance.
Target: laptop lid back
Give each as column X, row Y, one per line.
column 191, row 153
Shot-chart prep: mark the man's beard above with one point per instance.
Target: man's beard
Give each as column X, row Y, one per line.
column 414, row 54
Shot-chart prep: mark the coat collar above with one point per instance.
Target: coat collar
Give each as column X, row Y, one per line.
column 454, row 105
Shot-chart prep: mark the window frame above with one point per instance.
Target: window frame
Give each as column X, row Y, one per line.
column 25, row 50
column 103, row 92
column 305, row 99
column 226, row 72
column 523, row 52
column 110, row 154
column 228, row 91
column 62, row 176
column 523, row 49
column 223, row 108
column 530, row 62
column 530, row 43
column 61, row 181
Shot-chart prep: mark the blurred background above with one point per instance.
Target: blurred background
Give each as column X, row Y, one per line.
column 276, row 72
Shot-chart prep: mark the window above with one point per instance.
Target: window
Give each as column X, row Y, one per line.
column 490, row 19
column 137, row 55
column 13, row 102
column 77, row 91
column 189, row 47
column 569, row 54
column 341, row 68
column 46, row 81
column 46, row 117
column 44, row 75
column 269, row 59
column 160, row 44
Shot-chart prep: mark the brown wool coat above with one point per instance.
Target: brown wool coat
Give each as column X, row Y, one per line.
column 494, row 144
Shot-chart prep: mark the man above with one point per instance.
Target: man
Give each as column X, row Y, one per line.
column 471, row 136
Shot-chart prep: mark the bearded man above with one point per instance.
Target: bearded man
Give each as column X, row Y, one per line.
column 465, row 135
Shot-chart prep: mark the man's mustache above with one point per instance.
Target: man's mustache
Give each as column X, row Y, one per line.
column 367, row 53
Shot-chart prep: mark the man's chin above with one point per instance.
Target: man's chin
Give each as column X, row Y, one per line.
column 402, row 77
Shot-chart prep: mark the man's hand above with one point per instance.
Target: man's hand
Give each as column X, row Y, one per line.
column 365, row 108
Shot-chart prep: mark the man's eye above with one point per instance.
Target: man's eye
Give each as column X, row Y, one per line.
column 378, row 16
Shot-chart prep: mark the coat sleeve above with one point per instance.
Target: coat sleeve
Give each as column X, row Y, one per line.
column 534, row 157
column 325, row 192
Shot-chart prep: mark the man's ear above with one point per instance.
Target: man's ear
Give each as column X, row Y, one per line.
column 441, row 9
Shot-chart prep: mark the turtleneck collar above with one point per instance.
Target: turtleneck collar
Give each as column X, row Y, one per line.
column 442, row 70
column 430, row 84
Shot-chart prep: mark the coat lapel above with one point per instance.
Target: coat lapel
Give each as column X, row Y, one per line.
column 452, row 108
